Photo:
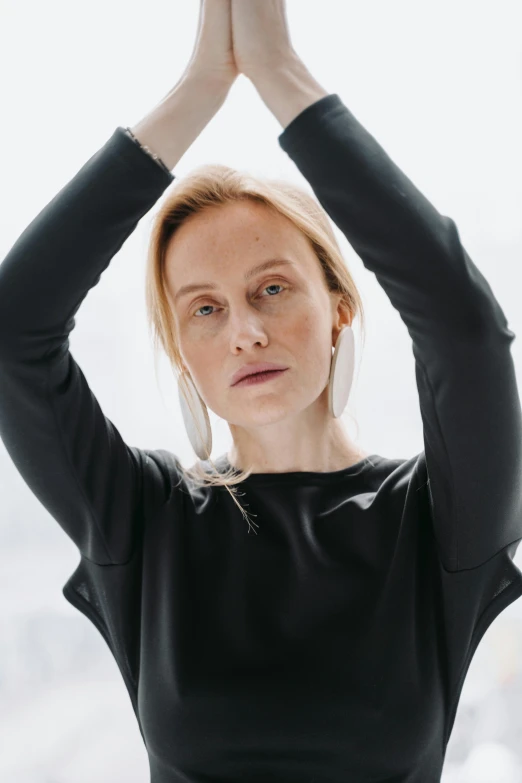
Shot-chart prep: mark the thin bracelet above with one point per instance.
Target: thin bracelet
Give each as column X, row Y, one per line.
column 148, row 151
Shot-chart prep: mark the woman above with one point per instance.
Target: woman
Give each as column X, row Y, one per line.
column 333, row 645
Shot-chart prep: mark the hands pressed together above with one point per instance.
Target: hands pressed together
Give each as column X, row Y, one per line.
column 233, row 36
column 240, row 36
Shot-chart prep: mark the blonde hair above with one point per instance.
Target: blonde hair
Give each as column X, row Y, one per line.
column 212, row 185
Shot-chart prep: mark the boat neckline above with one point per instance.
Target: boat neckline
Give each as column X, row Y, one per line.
column 356, row 468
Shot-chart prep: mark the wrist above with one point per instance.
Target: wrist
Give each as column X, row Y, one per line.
column 287, row 88
column 174, row 124
column 210, row 88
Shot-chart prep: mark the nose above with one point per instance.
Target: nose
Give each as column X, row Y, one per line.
column 246, row 330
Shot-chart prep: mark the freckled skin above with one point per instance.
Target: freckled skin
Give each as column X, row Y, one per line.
column 282, row 424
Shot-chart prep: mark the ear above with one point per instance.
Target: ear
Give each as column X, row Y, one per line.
column 341, row 315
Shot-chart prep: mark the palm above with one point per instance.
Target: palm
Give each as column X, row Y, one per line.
column 213, row 53
column 260, row 34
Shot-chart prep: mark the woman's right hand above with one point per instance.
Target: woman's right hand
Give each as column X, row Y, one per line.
column 172, row 126
column 213, row 55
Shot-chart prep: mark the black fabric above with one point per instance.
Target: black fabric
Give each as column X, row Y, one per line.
column 333, row 645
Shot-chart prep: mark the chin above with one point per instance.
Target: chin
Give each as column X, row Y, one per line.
column 259, row 413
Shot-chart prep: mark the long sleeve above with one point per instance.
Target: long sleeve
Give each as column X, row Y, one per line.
column 70, row 455
column 469, row 401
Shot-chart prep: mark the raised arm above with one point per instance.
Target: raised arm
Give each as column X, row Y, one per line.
column 469, row 400
column 264, row 53
column 70, row 455
column 210, row 74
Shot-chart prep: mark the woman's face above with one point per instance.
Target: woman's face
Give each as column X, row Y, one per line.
column 284, row 314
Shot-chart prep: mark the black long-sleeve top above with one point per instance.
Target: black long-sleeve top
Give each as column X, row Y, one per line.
column 333, row 645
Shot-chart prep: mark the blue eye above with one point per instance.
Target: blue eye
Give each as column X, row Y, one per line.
column 272, row 285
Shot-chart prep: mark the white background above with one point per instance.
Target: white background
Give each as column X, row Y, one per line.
column 439, row 85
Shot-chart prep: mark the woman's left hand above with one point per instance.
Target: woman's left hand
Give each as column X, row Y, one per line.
column 213, row 56
column 261, row 36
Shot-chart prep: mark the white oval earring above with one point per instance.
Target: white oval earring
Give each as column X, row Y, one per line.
column 195, row 417
column 341, row 371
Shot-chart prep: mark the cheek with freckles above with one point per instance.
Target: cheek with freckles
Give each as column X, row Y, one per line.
column 313, row 341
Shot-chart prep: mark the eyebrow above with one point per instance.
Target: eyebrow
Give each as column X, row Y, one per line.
column 271, row 262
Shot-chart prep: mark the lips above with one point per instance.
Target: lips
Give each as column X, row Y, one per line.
column 257, row 374
column 255, row 369
column 259, row 377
